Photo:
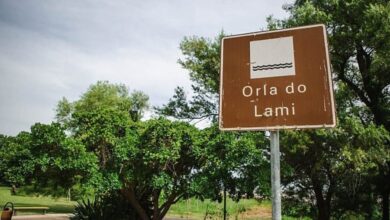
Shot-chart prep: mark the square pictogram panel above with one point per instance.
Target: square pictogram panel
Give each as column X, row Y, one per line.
column 272, row 58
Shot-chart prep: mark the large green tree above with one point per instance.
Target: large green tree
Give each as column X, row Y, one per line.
column 45, row 158
column 101, row 116
column 160, row 168
column 358, row 33
column 59, row 161
column 151, row 164
column 330, row 170
column 331, row 173
column 236, row 161
column 16, row 167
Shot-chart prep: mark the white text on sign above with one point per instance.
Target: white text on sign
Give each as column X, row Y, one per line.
column 265, row 90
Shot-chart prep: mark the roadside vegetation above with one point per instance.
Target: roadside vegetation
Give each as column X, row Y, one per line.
column 56, row 205
column 100, row 147
column 186, row 209
column 245, row 209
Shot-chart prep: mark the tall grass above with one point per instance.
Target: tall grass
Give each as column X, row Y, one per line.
column 196, row 209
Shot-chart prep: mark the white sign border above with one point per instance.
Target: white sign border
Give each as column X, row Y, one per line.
column 279, row 127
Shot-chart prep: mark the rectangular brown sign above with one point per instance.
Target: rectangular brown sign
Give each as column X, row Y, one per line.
column 276, row 80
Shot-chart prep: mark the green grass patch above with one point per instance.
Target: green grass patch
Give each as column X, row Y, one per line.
column 56, row 205
column 196, row 209
column 186, row 209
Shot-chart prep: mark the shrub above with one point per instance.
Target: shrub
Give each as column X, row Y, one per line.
column 105, row 207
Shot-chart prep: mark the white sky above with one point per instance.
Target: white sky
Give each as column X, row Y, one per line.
column 56, row 48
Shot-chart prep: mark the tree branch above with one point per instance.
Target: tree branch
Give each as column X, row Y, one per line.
column 167, row 205
column 342, row 76
column 156, row 196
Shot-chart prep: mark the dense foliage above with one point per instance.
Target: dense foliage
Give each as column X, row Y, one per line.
column 235, row 162
column 100, row 143
column 45, row 157
column 238, row 162
column 358, row 34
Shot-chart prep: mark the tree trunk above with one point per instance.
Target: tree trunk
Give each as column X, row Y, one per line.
column 172, row 199
column 370, row 210
column 130, row 195
column 323, row 211
column 156, row 211
column 13, row 189
column 69, row 195
column 322, row 205
column 385, row 205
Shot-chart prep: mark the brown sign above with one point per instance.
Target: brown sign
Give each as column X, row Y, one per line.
column 276, row 80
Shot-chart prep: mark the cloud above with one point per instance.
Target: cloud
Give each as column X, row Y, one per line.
column 52, row 49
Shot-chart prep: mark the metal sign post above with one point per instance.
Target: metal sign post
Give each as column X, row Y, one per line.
column 275, row 176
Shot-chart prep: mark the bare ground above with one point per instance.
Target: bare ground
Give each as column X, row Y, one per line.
column 43, row 217
column 257, row 213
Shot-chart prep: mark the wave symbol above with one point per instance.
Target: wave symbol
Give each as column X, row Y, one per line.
column 272, row 66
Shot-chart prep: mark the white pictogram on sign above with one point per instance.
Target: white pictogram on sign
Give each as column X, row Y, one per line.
column 272, row 58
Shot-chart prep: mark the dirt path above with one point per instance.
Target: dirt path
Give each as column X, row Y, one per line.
column 43, row 217
column 257, row 213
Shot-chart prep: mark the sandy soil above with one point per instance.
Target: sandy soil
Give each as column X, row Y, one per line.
column 257, row 213
column 43, row 217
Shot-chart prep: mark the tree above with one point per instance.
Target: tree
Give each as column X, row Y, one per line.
column 160, row 171
column 45, row 158
column 101, row 116
column 139, row 103
column 233, row 158
column 234, row 163
column 100, row 120
column 326, row 165
column 104, row 95
column 358, row 34
column 202, row 60
column 58, row 161
column 151, row 164
column 16, row 167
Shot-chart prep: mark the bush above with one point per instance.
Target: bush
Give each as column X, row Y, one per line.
column 106, row 207
column 297, row 209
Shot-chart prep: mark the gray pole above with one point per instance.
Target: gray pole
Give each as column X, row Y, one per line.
column 224, row 202
column 275, row 176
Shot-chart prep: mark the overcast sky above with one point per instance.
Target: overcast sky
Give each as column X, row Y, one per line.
column 56, row 48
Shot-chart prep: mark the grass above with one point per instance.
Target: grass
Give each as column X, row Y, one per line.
column 186, row 209
column 195, row 209
column 56, row 205
column 191, row 208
